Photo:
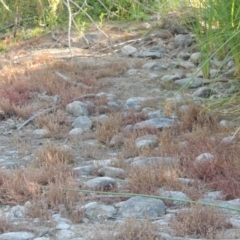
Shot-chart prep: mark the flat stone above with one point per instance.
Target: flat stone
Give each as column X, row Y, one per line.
column 82, row 122
column 149, row 141
column 128, row 50
column 145, row 161
column 16, row 236
column 40, row 133
column 85, row 170
column 183, row 40
column 173, row 77
column 155, row 123
column 149, row 54
column 100, row 183
column 174, row 195
column 64, row 234
column 149, row 65
column 112, row 172
column 190, row 82
column 205, row 157
column 77, row 108
column 76, row 132
column 140, row 207
column 204, row 92
column 94, row 210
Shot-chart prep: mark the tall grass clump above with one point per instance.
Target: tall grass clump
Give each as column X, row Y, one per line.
column 218, row 31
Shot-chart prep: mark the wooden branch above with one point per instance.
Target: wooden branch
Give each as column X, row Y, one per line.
column 36, row 115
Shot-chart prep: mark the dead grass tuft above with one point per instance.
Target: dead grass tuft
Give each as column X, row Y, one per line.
column 147, row 179
column 199, row 221
column 132, row 229
column 52, row 154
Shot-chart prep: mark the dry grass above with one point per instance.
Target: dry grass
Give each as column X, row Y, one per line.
column 147, row 179
column 53, row 154
column 5, row 223
column 199, row 221
column 132, row 229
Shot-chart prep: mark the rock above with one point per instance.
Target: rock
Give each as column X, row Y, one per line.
column 86, row 170
column 82, row 122
column 58, row 219
column 62, row 226
column 76, row 132
column 173, row 77
column 138, row 102
column 17, row 236
column 128, row 50
column 230, row 139
column 149, row 141
column 155, row 123
column 205, row 157
column 145, row 161
column 112, row 172
column 40, row 133
column 174, row 195
column 195, row 57
column 204, row 92
column 94, row 210
column 64, row 234
column 234, row 222
column 108, row 96
column 186, row 65
column 100, row 183
column 77, row 108
column 17, row 211
column 99, row 119
column 156, row 114
column 149, row 65
column 183, row 40
column 190, row 82
column 184, row 55
column 42, row 238
column 153, row 75
column 132, row 71
column 113, row 105
column 149, row 54
column 8, row 165
column 140, row 207
column 226, row 123
column 215, row 195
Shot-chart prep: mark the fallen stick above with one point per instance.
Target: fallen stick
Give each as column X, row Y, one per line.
column 36, row 115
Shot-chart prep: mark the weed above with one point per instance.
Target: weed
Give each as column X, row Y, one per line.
column 199, row 221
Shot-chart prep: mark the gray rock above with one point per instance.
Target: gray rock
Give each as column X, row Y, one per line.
column 42, row 238
column 149, row 141
column 175, row 195
column 215, row 195
column 40, row 133
column 153, row 75
column 8, row 165
column 184, row 55
column 156, row 114
column 16, row 236
column 77, row 108
column 230, row 139
column 76, row 132
column 113, row 105
column 108, row 96
column 190, row 82
column 204, row 92
column 86, row 170
column 149, row 65
column 140, row 207
column 99, row 119
column 145, row 161
column 137, row 102
column 116, row 141
column 234, row 222
column 17, row 211
column 94, row 210
column 82, row 122
column 195, row 57
column 186, row 65
column 205, row 157
column 183, row 40
column 128, row 50
column 58, row 219
column 112, row 172
column 149, row 54
column 100, row 183
column 132, row 71
column 226, row 123
column 173, row 77
column 64, row 234
column 62, row 226
column 156, row 123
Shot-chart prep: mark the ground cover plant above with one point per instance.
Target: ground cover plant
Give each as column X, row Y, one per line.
column 31, row 84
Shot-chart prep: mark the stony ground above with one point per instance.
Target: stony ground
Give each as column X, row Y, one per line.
column 113, row 130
